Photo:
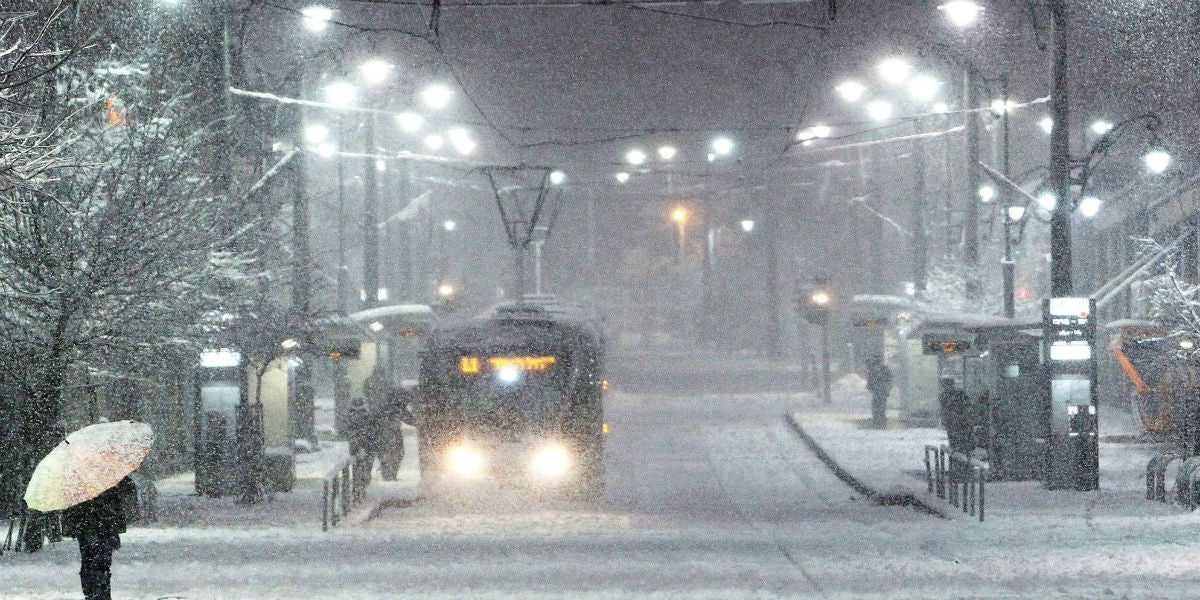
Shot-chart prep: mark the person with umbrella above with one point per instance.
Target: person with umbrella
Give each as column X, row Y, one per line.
column 87, row 476
column 97, row 525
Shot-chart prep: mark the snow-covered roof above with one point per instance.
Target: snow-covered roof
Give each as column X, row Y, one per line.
column 381, row 312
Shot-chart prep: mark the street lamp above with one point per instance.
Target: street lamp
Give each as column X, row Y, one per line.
column 722, row 146
column 667, row 152
column 437, row 96
column 461, row 140
column 961, row 13
column 316, row 18
column 375, row 71
column 680, row 216
column 880, row 110
column 817, row 302
column 622, row 177
column 851, row 91
column 894, row 70
column 635, row 157
column 341, row 93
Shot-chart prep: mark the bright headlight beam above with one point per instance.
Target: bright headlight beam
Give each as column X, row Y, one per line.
column 551, row 461
column 508, row 374
column 465, row 461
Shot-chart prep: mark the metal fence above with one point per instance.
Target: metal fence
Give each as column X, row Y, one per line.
column 343, row 491
column 957, row 477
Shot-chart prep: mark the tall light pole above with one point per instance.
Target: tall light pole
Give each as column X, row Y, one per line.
column 374, row 72
column 1060, row 156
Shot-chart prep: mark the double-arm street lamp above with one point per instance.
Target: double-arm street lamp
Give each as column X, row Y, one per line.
column 1063, row 168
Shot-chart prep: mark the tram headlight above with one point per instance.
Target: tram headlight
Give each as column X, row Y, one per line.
column 466, row 461
column 508, row 374
column 551, row 461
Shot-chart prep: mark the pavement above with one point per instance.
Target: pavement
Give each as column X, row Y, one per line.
column 889, row 465
column 301, row 507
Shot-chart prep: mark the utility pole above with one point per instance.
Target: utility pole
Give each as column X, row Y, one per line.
column 1060, row 156
column 1007, row 265
column 370, row 216
column 920, row 237
column 971, row 218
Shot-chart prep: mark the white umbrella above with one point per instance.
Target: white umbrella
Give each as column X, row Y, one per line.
column 86, row 463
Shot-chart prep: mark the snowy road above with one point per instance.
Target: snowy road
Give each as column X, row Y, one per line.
column 710, row 495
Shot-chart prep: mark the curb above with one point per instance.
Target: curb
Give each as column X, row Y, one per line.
column 891, row 499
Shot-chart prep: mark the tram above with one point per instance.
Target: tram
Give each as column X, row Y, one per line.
column 515, row 394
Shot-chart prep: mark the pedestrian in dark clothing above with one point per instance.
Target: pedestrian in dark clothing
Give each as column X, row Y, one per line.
column 879, row 382
column 389, row 422
column 361, row 429
column 957, row 416
column 97, row 525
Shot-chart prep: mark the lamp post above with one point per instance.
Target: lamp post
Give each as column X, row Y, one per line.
column 374, row 72
column 680, row 216
column 1060, row 155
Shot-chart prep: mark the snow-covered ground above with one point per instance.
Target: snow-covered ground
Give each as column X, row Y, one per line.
column 711, row 495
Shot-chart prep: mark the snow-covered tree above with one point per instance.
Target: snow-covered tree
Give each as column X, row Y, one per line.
column 119, row 253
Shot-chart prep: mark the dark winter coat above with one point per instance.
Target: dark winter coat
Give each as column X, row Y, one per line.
column 361, row 431
column 879, row 377
column 102, row 516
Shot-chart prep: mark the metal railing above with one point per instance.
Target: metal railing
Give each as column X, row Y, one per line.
column 957, row 477
column 342, row 491
column 1187, row 483
column 1156, row 474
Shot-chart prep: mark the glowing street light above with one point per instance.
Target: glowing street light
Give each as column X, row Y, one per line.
column 1101, row 127
column 557, row 177
column 987, row 193
column 340, row 93
column 1089, row 206
column 880, row 110
column 1047, row 200
column 622, row 177
column 1016, row 212
column 460, row 138
column 680, row 216
column 962, row 13
column 437, row 96
column 923, row 87
column 449, row 224
column 434, row 142
column 316, row 18
column 667, row 152
column 894, row 70
column 722, row 146
column 1047, row 124
column 316, row 134
column 327, row 150
column 1157, row 160
column 635, row 157
column 375, row 71
column 851, row 91
column 815, row 132
column 747, row 225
